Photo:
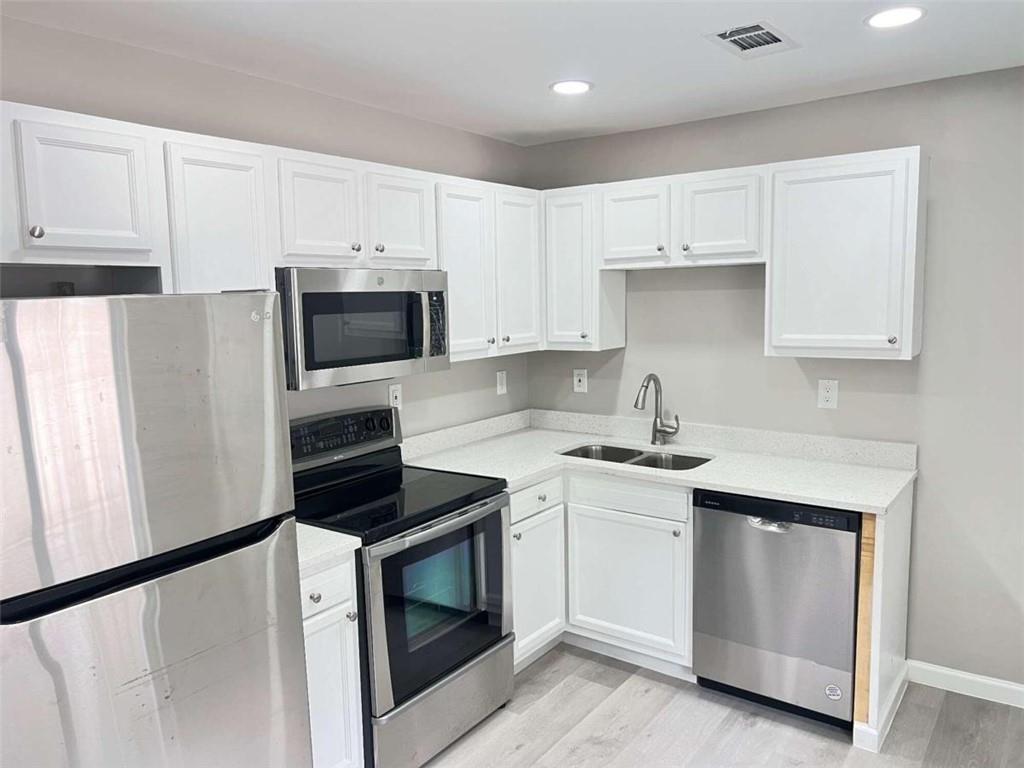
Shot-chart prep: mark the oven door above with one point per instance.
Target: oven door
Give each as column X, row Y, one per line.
column 437, row 596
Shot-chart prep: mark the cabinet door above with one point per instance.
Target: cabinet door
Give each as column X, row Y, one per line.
column 82, row 188
column 569, row 234
column 538, row 580
column 836, row 277
column 402, row 232
column 518, row 271
column 627, row 578
column 319, row 213
column 218, row 229
column 636, row 225
column 721, row 219
column 466, row 240
column 332, row 676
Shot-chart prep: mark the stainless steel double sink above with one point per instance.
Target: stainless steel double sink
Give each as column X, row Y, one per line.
column 656, row 459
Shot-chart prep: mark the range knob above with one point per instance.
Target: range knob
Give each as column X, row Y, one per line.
column 385, row 424
column 370, row 424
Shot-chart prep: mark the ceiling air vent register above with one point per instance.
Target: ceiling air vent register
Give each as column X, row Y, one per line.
column 753, row 40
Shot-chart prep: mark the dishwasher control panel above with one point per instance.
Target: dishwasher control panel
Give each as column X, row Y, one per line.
column 780, row 511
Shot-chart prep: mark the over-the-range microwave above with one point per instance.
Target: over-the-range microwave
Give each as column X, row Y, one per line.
column 343, row 326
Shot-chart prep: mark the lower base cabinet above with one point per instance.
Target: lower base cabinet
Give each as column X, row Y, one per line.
column 628, row 580
column 538, row 578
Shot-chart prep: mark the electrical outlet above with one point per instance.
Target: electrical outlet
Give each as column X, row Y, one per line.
column 579, row 380
column 502, row 383
column 828, row 393
column 395, row 395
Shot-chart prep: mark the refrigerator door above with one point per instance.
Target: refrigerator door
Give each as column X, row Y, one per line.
column 133, row 425
column 201, row 667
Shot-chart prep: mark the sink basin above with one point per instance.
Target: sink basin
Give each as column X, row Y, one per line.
column 604, row 453
column 669, row 461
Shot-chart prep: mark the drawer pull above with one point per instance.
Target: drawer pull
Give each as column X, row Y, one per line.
column 351, row 615
column 542, row 497
column 316, row 597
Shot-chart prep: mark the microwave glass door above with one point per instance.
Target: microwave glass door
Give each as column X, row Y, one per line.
column 442, row 603
column 345, row 329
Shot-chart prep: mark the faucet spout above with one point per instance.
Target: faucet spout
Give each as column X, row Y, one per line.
column 659, row 429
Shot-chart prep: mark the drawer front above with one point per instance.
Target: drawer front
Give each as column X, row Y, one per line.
column 642, row 498
column 327, row 588
column 536, row 498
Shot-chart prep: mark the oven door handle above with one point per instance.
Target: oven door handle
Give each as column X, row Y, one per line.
column 436, row 528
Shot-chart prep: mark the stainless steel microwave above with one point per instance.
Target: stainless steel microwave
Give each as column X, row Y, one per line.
column 343, row 326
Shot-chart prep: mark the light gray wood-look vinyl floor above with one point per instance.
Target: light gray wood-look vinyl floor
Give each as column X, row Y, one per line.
column 574, row 709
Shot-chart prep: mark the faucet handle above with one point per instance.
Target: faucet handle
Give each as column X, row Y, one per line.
column 667, row 430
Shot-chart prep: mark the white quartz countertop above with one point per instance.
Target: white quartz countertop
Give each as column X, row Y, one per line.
column 527, row 456
column 319, row 547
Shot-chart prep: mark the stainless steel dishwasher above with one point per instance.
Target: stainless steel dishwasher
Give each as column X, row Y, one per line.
column 774, row 593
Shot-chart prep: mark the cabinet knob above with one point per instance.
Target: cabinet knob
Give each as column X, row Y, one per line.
column 506, row 339
column 36, row 231
column 661, row 248
column 379, row 247
column 677, row 533
column 517, row 536
column 357, row 247
column 351, row 615
column 542, row 497
column 686, row 246
column 584, row 335
column 316, row 597
column 892, row 339
column 491, row 340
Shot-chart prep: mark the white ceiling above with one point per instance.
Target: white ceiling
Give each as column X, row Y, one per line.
column 486, row 66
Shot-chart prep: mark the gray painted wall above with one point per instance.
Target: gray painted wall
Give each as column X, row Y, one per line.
column 962, row 400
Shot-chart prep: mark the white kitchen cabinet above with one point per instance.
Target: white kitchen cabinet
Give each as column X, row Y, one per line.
column 321, row 220
column 844, row 278
column 719, row 218
column 538, row 580
column 218, row 219
column 82, row 189
column 401, row 227
column 628, row 580
column 466, row 241
column 636, row 224
column 519, row 271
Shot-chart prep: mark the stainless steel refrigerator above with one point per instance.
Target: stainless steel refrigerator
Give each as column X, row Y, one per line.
column 148, row 572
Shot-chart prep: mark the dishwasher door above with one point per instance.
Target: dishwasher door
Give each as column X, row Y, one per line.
column 774, row 593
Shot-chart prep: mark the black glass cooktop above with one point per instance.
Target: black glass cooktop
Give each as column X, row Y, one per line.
column 376, row 497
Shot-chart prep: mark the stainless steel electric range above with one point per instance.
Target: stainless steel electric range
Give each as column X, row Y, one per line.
column 435, row 585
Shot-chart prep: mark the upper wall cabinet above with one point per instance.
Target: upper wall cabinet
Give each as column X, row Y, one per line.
column 321, row 220
column 519, row 271
column 82, row 189
column 635, row 224
column 401, row 221
column 218, row 223
column 719, row 218
column 844, row 278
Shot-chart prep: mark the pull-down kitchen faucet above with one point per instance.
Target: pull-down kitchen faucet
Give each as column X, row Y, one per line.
column 659, row 429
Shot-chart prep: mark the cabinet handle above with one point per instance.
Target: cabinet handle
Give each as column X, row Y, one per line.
column 490, row 340
column 686, row 246
column 892, row 339
column 542, row 497
column 517, row 536
column 661, row 248
column 379, row 247
column 357, row 247
column 506, row 339
column 351, row 615
column 316, row 597
column 36, row 231
column 584, row 334
column 677, row 533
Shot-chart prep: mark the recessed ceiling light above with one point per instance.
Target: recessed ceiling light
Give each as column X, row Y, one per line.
column 570, row 87
column 895, row 17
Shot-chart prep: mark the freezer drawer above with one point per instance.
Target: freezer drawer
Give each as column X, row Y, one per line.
column 200, row 667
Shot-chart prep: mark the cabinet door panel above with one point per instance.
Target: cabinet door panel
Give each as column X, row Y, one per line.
column 568, row 225
column 518, row 271
column 319, row 212
column 402, row 231
column 636, row 224
column 466, row 237
column 839, row 237
column 627, row 578
column 722, row 218
column 332, row 675
column 82, row 188
column 538, row 580
column 218, row 225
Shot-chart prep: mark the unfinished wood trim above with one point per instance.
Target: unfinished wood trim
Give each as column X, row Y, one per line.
column 862, row 679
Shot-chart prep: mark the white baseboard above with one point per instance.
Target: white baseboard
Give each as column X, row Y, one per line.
column 531, row 656
column 958, row 681
column 672, row 669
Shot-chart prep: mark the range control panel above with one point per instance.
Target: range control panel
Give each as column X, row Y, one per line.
column 343, row 432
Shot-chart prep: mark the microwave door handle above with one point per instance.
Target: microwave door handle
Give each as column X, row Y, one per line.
column 418, row 323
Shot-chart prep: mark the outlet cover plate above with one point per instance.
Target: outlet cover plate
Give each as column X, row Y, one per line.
column 579, row 380
column 502, row 383
column 395, row 395
column 828, row 393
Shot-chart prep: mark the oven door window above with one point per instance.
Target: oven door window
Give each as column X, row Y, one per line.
column 343, row 329
column 442, row 604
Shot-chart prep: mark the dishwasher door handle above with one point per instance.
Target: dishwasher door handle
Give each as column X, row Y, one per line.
column 771, row 526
